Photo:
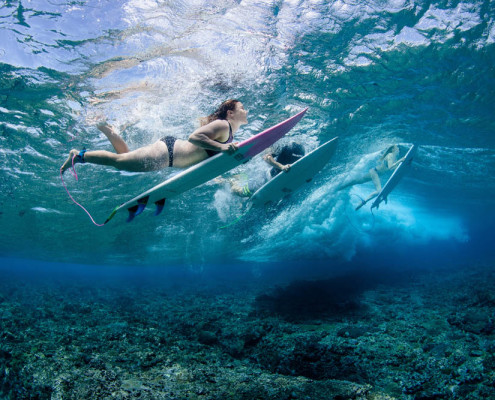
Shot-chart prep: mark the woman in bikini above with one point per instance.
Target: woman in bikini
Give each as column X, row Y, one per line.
column 215, row 135
column 387, row 162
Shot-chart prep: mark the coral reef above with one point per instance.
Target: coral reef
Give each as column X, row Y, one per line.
column 419, row 335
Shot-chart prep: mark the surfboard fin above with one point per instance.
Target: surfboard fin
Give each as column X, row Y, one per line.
column 141, row 205
column 137, row 209
column 132, row 213
column 159, row 206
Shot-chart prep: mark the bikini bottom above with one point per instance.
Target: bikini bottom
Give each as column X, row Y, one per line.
column 169, row 142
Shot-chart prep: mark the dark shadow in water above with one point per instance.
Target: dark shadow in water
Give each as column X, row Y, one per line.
column 337, row 296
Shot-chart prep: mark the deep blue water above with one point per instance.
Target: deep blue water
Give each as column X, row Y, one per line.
column 373, row 73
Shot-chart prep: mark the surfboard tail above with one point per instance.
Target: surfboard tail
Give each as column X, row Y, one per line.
column 112, row 214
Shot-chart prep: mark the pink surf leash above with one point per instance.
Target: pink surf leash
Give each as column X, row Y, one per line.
column 72, row 198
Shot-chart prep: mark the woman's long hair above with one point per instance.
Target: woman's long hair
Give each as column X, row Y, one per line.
column 221, row 112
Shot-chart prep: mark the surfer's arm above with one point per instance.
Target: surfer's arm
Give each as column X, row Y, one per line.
column 209, row 136
column 394, row 165
column 270, row 160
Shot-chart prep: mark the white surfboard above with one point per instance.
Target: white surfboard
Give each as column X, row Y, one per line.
column 395, row 177
column 301, row 172
column 206, row 169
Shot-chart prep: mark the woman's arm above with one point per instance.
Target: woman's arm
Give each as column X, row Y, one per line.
column 393, row 165
column 270, row 160
column 396, row 164
column 209, row 135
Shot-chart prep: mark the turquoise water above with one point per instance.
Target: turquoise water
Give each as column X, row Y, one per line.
column 373, row 73
column 309, row 299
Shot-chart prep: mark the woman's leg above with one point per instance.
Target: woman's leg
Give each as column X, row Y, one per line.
column 376, row 179
column 239, row 189
column 111, row 133
column 144, row 159
column 356, row 181
column 378, row 186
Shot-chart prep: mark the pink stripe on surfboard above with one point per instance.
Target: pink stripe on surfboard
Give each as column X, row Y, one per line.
column 272, row 135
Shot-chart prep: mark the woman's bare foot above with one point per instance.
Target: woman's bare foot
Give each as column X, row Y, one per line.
column 94, row 117
column 113, row 136
column 106, row 128
column 72, row 156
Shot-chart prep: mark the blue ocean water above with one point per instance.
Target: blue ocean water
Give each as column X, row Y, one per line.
column 308, row 299
column 373, row 73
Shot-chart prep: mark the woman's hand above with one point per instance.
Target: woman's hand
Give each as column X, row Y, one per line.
column 397, row 163
column 229, row 148
column 286, row 167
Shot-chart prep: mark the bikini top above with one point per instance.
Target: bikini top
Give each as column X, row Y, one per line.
column 229, row 140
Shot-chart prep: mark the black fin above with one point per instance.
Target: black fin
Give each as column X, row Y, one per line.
column 132, row 213
column 159, row 206
column 142, row 204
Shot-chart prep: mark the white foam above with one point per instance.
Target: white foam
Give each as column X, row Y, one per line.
column 46, row 210
column 325, row 224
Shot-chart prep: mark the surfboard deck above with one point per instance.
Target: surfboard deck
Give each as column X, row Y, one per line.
column 206, row 169
column 301, row 172
column 395, row 177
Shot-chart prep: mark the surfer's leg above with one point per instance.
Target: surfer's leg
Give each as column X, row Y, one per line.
column 371, row 196
column 148, row 158
column 239, row 189
column 144, row 159
column 111, row 133
column 376, row 179
column 240, row 185
column 356, row 181
column 378, row 186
